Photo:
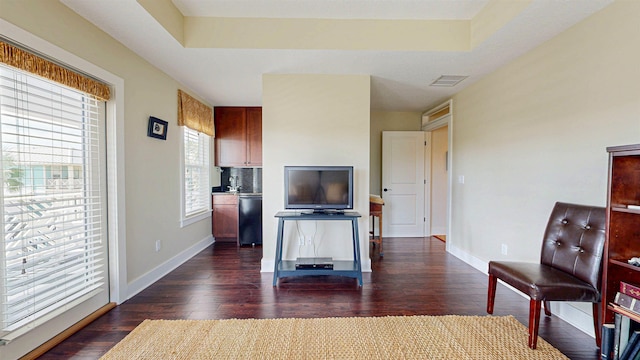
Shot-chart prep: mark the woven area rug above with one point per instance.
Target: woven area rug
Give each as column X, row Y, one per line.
column 392, row 337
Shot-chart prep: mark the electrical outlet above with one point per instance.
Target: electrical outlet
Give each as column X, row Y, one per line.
column 504, row 249
column 158, row 245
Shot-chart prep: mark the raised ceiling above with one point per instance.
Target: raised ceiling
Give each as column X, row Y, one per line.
column 220, row 49
column 334, row 9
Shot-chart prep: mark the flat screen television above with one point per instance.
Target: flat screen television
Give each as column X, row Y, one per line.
column 318, row 188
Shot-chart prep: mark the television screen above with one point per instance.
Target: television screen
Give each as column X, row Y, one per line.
column 318, row 188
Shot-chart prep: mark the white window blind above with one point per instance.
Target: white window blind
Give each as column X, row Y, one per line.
column 196, row 172
column 53, row 221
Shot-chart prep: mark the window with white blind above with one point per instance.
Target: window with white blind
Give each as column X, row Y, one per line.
column 196, row 190
column 53, row 245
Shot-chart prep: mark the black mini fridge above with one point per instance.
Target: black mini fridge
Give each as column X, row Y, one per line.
column 250, row 219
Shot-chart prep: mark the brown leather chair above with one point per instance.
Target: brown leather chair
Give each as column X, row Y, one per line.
column 570, row 265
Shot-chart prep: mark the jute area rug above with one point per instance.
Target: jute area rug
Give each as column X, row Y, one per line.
column 393, row 337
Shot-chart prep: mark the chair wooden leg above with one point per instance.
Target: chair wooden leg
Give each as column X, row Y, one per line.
column 491, row 296
column 534, row 322
column 547, row 308
column 597, row 322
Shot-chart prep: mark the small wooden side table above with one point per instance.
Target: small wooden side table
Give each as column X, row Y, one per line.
column 375, row 210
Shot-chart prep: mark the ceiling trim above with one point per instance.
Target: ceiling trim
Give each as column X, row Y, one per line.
column 167, row 15
column 332, row 34
column 494, row 16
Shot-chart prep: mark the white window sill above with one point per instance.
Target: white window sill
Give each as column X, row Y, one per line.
column 195, row 218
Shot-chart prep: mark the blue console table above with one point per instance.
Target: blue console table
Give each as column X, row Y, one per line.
column 284, row 268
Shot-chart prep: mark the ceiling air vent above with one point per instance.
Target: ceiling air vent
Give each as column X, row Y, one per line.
column 448, row 80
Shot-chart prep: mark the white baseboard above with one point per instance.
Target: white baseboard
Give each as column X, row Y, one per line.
column 267, row 265
column 144, row 281
column 366, row 265
column 480, row 265
column 564, row 310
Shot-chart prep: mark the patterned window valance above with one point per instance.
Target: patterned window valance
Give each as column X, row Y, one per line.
column 194, row 114
column 27, row 61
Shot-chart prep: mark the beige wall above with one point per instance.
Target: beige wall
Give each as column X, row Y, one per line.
column 314, row 120
column 152, row 166
column 535, row 132
column 387, row 121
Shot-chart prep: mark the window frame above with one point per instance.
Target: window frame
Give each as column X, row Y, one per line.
column 119, row 287
column 191, row 218
column 49, row 225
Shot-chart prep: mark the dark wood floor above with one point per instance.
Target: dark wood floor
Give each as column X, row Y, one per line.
column 415, row 277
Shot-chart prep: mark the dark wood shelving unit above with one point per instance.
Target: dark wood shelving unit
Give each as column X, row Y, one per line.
column 623, row 228
column 622, row 311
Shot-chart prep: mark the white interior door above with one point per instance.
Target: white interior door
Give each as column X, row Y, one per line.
column 403, row 183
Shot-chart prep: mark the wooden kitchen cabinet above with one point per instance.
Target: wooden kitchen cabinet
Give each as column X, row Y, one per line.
column 254, row 136
column 238, row 138
column 224, row 219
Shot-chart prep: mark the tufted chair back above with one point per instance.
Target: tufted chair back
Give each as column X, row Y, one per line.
column 574, row 241
column 569, row 269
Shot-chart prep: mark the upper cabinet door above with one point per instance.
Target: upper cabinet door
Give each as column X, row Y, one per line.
column 230, row 140
column 238, row 136
column 254, row 136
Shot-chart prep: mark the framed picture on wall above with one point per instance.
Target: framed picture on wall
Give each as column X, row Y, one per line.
column 157, row 128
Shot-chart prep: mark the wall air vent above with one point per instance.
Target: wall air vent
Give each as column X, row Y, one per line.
column 448, row 80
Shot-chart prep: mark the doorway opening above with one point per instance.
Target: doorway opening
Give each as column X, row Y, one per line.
column 437, row 122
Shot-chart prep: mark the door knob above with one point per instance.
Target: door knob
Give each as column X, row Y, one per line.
column 385, row 189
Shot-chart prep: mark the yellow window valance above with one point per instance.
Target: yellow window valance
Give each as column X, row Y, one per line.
column 30, row 62
column 194, row 114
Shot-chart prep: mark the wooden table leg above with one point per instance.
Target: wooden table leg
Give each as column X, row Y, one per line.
column 380, row 233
